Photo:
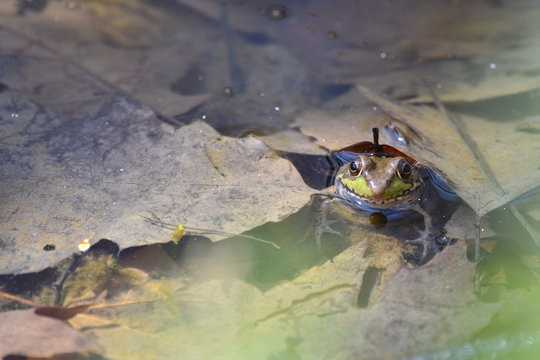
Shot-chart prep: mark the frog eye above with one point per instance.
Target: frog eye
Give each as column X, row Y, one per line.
column 404, row 170
column 355, row 167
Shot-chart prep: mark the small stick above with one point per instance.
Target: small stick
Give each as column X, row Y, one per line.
column 133, row 302
column 375, row 136
column 17, row 299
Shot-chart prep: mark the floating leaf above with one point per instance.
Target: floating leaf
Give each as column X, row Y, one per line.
column 68, row 179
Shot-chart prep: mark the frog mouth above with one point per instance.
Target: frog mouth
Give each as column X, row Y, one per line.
column 346, row 193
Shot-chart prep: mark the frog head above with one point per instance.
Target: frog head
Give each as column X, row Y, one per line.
column 378, row 181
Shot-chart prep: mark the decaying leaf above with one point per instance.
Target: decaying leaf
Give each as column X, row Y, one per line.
column 24, row 333
column 67, row 179
column 61, row 313
column 66, row 313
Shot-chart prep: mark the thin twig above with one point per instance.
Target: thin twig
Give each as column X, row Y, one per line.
column 18, row 299
column 155, row 220
column 108, row 322
column 133, row 302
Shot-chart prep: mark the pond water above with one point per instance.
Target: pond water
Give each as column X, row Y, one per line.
column 221, row 116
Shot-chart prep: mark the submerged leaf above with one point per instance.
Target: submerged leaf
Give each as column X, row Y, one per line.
column 316, row 315
column 463, row 80
column 77, row 78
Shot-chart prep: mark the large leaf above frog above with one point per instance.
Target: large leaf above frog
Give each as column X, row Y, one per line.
column 68, row 179
column 481, row 163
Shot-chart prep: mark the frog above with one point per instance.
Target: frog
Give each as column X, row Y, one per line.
column 378, row 179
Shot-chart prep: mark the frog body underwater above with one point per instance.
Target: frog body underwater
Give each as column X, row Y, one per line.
column 375, row 178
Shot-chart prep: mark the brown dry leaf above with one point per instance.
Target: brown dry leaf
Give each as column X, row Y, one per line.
column 68, row 179
column 66, row 313
column 61, row 313
column 24, row 333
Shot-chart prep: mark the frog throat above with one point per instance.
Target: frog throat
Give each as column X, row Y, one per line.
column 396, row 189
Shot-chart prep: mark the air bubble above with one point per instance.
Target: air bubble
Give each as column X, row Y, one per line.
column 331, row 35
column 276, row 12
column 72, row 5
column 228, row 91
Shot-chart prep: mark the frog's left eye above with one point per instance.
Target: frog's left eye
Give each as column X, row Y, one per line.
column 355, row 167
column 404, row 170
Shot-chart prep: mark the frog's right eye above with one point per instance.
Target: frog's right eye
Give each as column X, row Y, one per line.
column 355, row 167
